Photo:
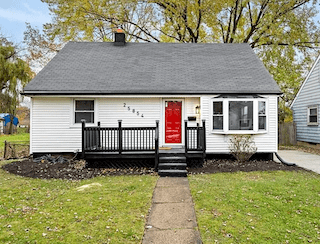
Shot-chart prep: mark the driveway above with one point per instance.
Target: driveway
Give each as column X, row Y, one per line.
column 305, row 160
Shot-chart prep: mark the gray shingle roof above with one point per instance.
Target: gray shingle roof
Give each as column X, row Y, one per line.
column 153, row 68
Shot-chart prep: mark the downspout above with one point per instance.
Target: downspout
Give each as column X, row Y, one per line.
column 283, row 161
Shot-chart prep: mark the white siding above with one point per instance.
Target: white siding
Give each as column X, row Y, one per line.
column 219, row 143
column 52, row 128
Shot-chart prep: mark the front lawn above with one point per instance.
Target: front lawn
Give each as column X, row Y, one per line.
column 112, row 210
column 257, row 207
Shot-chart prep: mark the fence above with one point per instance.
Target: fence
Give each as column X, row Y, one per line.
column 287, row 134
column 16, row 149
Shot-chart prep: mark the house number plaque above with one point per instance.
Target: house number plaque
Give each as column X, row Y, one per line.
column 133, row 110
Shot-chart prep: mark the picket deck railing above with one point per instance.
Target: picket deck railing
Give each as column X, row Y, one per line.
column 120, row 139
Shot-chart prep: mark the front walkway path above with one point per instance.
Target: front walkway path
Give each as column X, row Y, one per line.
column 305, row 160
column 172, row 217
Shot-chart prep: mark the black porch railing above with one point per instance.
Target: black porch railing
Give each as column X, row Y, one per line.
column 136, row 139
column 120, row 139
column 195, row 138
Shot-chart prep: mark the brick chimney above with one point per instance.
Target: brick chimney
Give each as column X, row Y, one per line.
column 119, row 37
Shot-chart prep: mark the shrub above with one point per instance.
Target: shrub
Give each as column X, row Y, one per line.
column 242, row 147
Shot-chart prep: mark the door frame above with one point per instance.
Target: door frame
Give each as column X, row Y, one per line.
column 173, row 145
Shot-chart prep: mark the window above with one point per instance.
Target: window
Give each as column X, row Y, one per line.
column 240, row 115
column 217, row 116
column 84, row 109
column 262, row 115
column 313, row 115
column 232, row 115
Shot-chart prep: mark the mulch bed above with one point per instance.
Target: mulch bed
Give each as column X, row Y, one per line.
column 223, row 165
column 75, row 171
column 69, row 171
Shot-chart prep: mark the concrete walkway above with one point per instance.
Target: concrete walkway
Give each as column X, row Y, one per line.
column 172, row 217
column 305, row 160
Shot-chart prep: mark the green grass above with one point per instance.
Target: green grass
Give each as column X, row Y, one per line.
column 257, row 207
column 53, row 211
column 11, row 138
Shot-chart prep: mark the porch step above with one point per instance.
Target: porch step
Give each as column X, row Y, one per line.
column 172, row 159
column 172, row 172
column 173, row 166
column 181, row 166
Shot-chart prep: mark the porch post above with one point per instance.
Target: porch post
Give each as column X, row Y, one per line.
column 156, row 145
column 120, row 136
column 198, row 137
column 204, row 137
column 186, row 136
column 98, row 135
column 83, row 122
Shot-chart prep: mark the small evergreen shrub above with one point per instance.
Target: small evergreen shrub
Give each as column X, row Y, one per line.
column 242, row 147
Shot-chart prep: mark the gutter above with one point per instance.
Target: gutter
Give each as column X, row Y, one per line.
column 283, row 161
column 99, row 93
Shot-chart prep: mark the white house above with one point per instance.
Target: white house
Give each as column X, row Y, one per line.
column 305, row 107
column 225, row 85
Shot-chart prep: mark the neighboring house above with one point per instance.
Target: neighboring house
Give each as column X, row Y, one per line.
column 225, row 85
column 305, row 107
column 7, row 119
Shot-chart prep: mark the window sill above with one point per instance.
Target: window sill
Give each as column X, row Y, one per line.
column 80, row 125
column 240, row 132
column 313, row 124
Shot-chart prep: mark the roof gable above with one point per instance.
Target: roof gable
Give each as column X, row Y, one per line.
column 308, row 80
column 153, row 68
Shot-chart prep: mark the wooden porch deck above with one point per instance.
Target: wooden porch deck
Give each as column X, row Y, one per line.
column 138, row 143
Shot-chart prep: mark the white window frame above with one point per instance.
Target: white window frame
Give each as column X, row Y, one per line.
column 226, row 130
column 212, row 115
column 308, row 117
column 263, row 115
column 74, row 111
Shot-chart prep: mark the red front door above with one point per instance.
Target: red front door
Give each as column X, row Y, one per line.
column 173, row 122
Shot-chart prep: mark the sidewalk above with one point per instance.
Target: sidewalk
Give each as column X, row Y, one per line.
column 172, row 217
column 305, row 160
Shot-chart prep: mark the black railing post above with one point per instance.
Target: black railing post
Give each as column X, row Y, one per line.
column 204, row 137
column 186, row 136
column 83, row 121
column 120, row 136
column 198, row 138
column 156, row 145
column 98, row 135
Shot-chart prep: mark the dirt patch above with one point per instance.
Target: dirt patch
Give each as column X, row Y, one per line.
column 69, row 171
column 223, row 165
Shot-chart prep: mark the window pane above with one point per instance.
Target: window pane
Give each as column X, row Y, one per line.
column 88, row 116
column 313, row 119
column 262, row 122
column 84, row 105
column 262, row 107
column 241, row 115
column 217, row 108
column 313, row 111
column 218, row 122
